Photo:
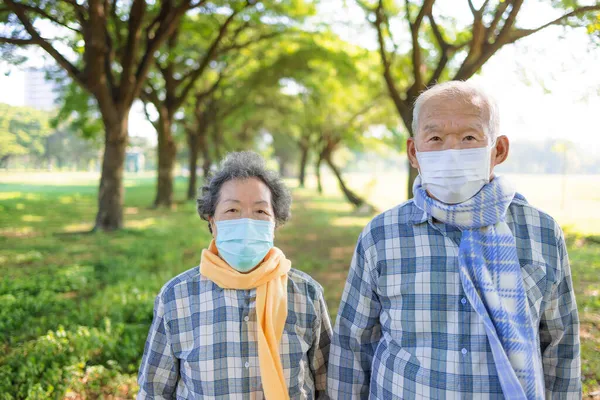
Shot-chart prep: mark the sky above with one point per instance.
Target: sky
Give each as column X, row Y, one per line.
column 547, row 87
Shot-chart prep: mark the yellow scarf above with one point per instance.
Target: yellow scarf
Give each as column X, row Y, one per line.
column 270, row 280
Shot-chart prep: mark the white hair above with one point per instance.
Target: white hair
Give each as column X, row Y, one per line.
column 463, row 92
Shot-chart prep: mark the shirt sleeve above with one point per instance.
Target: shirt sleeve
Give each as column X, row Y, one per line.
column 356, row 333
column 559, row 334
column 319, row 351
column 159, row 371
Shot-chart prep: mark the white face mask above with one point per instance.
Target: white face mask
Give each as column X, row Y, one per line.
column 454, row 176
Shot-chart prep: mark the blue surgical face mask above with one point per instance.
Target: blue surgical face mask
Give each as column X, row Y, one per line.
column 243, row 243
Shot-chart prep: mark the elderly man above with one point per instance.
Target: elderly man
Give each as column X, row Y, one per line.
column 465, row 290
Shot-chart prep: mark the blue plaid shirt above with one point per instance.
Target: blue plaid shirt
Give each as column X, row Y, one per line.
column 202, row 343
column 405, row 329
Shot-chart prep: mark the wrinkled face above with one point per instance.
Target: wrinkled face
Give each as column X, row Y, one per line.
column 248, row 198
column 445, row 124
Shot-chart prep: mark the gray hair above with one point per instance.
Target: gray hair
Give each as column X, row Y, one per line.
column 465, row 92
column 244, row 165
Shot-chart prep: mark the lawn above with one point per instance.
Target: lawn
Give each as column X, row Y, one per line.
column 75, row 307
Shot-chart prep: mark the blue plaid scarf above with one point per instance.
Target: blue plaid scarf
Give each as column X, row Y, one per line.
column 490, row 274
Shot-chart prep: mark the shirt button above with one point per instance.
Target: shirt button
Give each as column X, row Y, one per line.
column 464, row 351
column 247, row 364
column 246, row 318
column 463, row 300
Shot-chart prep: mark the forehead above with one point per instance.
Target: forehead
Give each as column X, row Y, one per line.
column 249, row 189
column 447, row 106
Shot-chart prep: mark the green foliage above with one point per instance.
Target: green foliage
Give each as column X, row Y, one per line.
column 81, row 325
column 29, row 132
column 23, row 130
column 78, row 112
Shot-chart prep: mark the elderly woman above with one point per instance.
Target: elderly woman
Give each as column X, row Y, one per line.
column 243, row 324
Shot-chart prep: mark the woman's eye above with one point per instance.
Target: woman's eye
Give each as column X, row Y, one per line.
column 263, row 212
column 231, row 210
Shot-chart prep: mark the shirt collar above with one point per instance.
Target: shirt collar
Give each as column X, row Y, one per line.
column 418, row 216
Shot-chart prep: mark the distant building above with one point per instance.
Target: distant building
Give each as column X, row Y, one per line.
column 134, row 159
column 39, row 93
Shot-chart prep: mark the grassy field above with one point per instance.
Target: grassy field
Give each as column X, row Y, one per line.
column 75, row 308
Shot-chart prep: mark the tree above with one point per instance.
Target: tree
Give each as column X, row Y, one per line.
column 201, row 40
column 23, row 131
column 111, row 47
column 440, row 51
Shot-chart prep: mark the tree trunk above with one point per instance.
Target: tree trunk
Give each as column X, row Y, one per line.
column 206, row 159
column 318, row 173
column 217, row 139
column 167, row 151
column 407, row 118
column 110, row 193
column 283, row 163
column 350, row 196
column 193, row 164
column 303, row 162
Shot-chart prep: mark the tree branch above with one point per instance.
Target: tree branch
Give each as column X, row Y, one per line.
column 425, row 9
column 165, row 28
column 193, row 76
column 44, row 14
column 210, row 91
column 504, row 34
column 445, row 50
column 129, row 56
column 491, row 31
column 95, row 54
column 44, row 44
column 146, row 100
column 472, row 8
column 417, row 58
column 247, row 43
column 400, row 104
column 117, row 24
column 151, row 95
column 517, row 33
column 17, row 41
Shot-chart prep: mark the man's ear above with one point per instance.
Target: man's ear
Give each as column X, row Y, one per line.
column 501, row 150
column 411, row 150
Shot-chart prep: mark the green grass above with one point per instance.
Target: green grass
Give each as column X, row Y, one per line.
column 75, row 307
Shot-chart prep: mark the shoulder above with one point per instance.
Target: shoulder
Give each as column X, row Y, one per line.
column 172, row 290
column 301, row 282
column 392, row 223
column 524, row 216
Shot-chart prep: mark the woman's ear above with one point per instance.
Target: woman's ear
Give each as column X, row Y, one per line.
column 213, row 227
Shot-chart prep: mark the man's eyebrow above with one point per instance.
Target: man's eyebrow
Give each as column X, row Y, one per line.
column 431, row 127
column 476, row 127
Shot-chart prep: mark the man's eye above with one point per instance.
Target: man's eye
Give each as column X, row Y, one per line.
column 435, row 139
column 470, row 138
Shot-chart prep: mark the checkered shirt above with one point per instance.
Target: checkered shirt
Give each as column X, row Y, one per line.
column 405, row 329
column 202, row 343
